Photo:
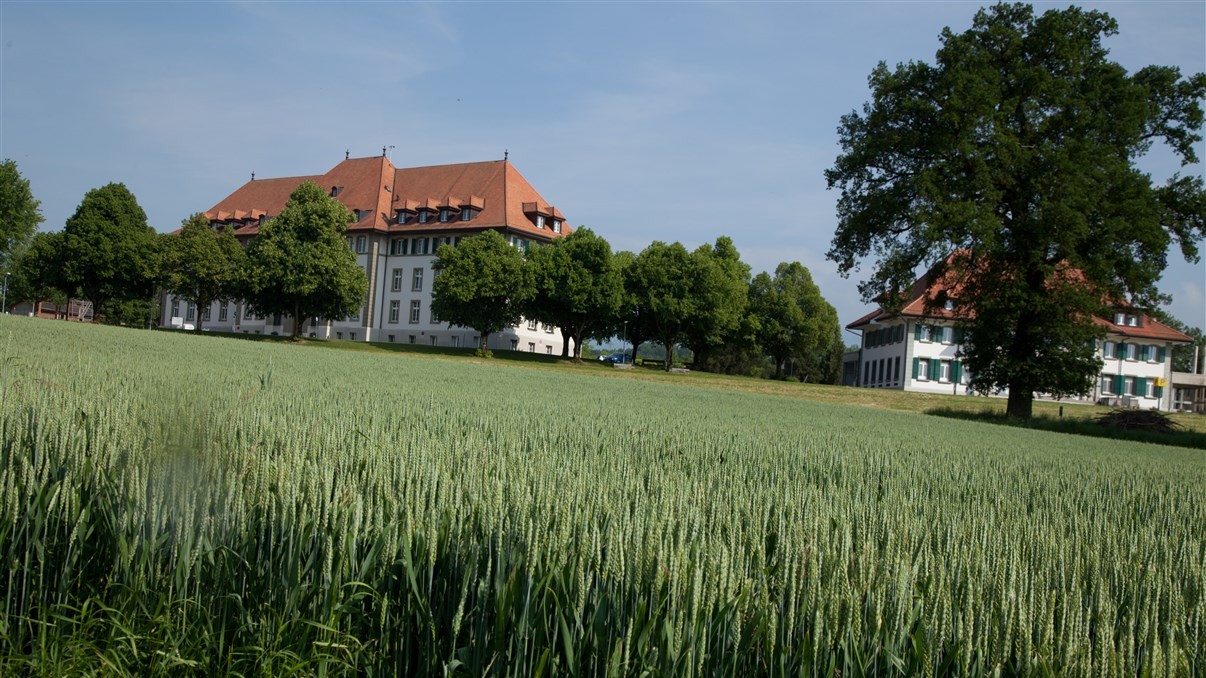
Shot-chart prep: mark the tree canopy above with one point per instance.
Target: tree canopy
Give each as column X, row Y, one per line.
column 108, row 250
column 575, row 285
column 19, row 211
column 794, row 322
column 37, row 270
column 300, row 264
column 203, row 266
column 721, row 291
column 480, row 283
column 661, row 281
column 1009, row 166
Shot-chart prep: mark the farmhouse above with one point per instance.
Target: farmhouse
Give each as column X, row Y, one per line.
column 401, row 216
column 919, row 349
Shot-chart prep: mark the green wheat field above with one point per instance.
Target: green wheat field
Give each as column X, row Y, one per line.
column 177, row 505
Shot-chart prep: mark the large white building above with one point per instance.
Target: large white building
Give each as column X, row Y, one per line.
column 401, row 216
column 918, row 349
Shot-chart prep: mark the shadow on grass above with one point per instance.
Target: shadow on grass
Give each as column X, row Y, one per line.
column 1077, row 426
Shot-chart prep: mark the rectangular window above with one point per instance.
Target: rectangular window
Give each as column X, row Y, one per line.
column 532, row 325
column 923, row 332
column 395, row 308
column 222, row 312
column 397, row 246
column 395, row 284
column 205, row 314
column 433, row 340
column 403, row 216
column 514, row 344
column 896, row 379
column 416, row 284
column 548, row 350
column 445, row 215
column 531, row 347
column 1108, row 349
column 191, row 312
column 548, row 328
column 1132, row 351
column 424, row 216
column 1149, row 387
column 556, row 225
column 466, row 213
column 435, row 319
column 175, row 308
column 419, row 246
column 943, row 334
column 456, row 341
column 412, row 338
column 945, row 373
column 361, row 244
column 1130, row 386
column 921, row 369
column 415, row 307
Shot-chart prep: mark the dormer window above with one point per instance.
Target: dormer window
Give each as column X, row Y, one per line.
column 424, row 216
column 556, row 225
column 335, row 191
column 467, row 213
column 1126, row 319
column 404, row 216
column 949, row 305
column 445, row 215
column 539, row 221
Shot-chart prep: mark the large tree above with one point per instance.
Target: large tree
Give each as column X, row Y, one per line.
column 721, row 290
column 36, row 269
column 480, row 283
column 300, row 264
column 576, row 286
column 661, row 281
column 109, row 251
column 1009, row 165
column 795, row 323
column 203, row 266
column 19, row 212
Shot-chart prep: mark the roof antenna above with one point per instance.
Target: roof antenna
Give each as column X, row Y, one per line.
column 346, row 154
column 506, row 154
column 253, row 176
column 383, row 151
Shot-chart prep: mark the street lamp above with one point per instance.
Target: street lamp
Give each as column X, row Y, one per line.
column 626, row 339
column 4, row 300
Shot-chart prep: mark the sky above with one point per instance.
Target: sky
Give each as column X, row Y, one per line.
column 672, row 121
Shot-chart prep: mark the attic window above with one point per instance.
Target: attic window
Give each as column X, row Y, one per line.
column 335, row 190
column 467, row 213
column 445, row 214
column 404, row 216
column 949, row 305
column 1126, row 319
column 424, row 216
column 556, row 225
column 539, row 221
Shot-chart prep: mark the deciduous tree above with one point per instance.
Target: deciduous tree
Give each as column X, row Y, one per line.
column 1015, row 151
column 721, row 291
column 203, row 266
column 300, row 264
column 575, row 286
column 661, row 281
column 480, row 283
column 109, row 251
column 19, row 211
column 37, row 268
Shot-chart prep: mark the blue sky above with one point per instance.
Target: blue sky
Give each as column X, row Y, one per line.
column 644, row 121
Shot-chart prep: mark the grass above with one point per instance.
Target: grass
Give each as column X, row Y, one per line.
column 1071, row 418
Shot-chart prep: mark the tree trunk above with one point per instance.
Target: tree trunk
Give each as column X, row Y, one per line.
column 1020, row 404
column 669, row 344
column 200, row 317
column 297, row 322
column 635, row 344
column 565, row 339
column 485, row 343
column 578, row 346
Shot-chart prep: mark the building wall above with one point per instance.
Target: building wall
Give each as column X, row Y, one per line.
column 930, row 358
column 376, row 321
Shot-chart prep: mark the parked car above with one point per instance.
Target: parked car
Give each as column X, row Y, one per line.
column 616, row 358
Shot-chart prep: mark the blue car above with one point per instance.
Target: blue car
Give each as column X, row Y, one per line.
column 616, row 358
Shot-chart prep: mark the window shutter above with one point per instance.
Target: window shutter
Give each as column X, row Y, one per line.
column 1159, row 391
column 917, row 337
column 1161, row 354
column 956, row 371
column 1121, row 351
column 1119, row 384
column 935, row 369
column 916, row 367
column 1140, row 386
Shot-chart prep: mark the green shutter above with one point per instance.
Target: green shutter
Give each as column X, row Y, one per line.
column 1161, row 354
column 1140, row 387
column 935, row 369
column 1159, row 391
column 916, row 367
column 917, row 334
column 956, row 371
column 1119, row 384
column 1120, row 350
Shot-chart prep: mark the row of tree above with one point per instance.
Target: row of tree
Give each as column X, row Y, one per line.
column 702, row 299
column 299, row 265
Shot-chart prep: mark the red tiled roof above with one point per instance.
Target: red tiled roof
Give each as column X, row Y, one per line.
column 495, row 188
column 929, row 286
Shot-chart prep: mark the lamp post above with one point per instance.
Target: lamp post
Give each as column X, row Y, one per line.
column 4, row 300
column 626, row 339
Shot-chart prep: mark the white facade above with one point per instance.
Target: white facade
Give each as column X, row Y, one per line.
column 397, row 308
column 924, row 355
